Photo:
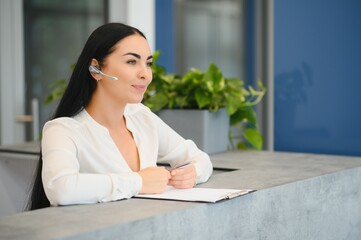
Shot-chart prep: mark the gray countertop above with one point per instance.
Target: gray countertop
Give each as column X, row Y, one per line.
column 264, row 169
column 240, row 169
column 22, row 148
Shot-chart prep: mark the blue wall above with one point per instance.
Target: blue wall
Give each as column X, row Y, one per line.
column 318, row 76
column 164, row 22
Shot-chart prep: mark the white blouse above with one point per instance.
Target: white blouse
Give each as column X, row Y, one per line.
column 81, row 163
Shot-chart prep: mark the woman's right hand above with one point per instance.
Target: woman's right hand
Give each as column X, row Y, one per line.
column 155, row 179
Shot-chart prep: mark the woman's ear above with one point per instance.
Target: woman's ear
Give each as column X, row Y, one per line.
column 96, row 76
column 95, row 63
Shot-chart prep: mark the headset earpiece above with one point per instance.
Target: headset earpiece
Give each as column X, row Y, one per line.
column 95, row 70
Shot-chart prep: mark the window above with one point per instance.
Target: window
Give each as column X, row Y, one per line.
column 211, row 31
column 55, row 33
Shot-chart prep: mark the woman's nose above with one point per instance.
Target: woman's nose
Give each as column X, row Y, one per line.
column 145, row 72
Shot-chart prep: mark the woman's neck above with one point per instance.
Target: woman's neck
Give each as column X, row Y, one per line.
column 105, row 111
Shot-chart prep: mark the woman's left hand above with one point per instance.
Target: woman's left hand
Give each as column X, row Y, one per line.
column 183, row 177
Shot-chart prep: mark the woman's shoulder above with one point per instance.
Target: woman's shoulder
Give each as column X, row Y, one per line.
column 62, row 122
column 136, row 108
column 66, row 123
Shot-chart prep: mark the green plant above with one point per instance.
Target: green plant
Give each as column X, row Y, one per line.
column 58, row 89
column 210, row 90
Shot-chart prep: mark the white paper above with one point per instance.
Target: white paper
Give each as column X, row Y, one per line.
column 197, row 194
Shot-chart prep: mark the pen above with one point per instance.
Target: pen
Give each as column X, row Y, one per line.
column 183, row 165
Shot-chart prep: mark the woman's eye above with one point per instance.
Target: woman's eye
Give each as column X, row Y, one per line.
column 149, row 64
column 131, row 62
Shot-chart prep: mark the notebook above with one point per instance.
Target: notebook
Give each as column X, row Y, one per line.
column 210, row 195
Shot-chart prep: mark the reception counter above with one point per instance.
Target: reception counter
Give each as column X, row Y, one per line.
column 299, row 196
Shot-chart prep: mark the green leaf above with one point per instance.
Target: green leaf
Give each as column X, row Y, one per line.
column 233, row 102
column 181, row 101
column 170, row 78
column 235, row 84
column 254, row 137
column 58, row 84
column 59, row 88
column 156, row 102
column 242, row 146
column 245, row 114
column 202, row 98
column 156, row 55
column 214, row 79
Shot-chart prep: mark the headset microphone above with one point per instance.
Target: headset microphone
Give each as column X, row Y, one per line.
column 93, row 69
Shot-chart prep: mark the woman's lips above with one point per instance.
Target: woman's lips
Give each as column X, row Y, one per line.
column 140, row 88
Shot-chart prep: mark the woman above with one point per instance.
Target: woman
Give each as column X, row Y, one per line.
column 103, row 144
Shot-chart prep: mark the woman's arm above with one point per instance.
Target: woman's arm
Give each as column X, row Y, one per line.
column 174, row 149
column 64, row 183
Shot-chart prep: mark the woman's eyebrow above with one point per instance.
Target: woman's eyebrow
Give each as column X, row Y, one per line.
column 137, row 55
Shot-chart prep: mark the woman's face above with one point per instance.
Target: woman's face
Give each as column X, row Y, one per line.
column 131, row 63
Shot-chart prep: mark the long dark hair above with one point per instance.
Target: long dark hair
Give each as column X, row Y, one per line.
column 80, row 89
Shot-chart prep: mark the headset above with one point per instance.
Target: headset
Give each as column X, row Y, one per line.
column 93, row 69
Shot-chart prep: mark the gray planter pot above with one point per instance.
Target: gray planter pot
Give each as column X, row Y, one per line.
column 209, row 130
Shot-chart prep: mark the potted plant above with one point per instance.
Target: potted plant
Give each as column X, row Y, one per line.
column 210, row 93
